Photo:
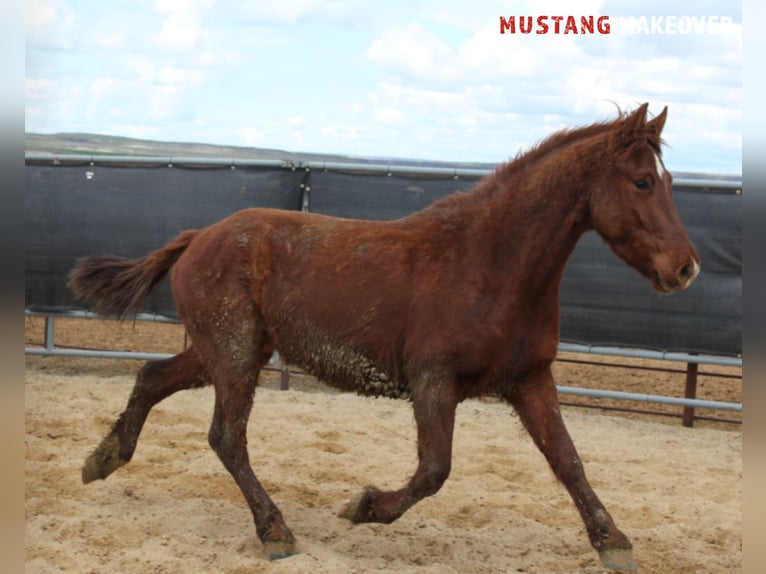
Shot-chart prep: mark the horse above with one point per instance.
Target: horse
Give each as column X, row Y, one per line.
column 454, row 301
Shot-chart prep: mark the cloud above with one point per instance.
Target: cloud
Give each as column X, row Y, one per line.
column 37, row 94
column 413, row 52
column 493, row 88
column 152, row 92
column 48, row 23
column 53, row 102
column 388, row 114
column 40, row 15
column 287, row 12
column 703, row 134
column 181, row 28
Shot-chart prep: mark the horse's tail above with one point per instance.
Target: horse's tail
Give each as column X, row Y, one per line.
column 118, row 286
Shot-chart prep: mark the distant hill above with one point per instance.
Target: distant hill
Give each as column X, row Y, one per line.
column 96, row 144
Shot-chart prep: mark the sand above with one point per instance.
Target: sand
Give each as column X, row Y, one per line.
column 675, row 491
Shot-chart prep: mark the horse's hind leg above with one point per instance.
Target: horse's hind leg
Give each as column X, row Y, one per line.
column 536, row 402
column 155, row 381
column 235, row 382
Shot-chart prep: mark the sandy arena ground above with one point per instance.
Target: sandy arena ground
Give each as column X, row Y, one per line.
column 676, row 492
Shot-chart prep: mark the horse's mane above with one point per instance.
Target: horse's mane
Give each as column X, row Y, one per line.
column 567, row 136
column 556, row 141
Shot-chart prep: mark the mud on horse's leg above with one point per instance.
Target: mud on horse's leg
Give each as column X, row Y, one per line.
column 536, row 402
column 155, row 381
column 434, row 402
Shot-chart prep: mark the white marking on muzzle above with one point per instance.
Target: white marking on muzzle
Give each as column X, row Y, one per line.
column 695, row 272
column 692, row 275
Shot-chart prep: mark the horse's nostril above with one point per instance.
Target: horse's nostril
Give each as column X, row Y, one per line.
column 685, row 272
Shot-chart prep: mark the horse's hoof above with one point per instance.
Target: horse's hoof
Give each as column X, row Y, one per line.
column 103, row 461
column 359, row 509
column 351, row 509
column 618, row 559
column 278, row 550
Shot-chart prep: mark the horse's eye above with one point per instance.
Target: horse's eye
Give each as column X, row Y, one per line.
column 642, row 184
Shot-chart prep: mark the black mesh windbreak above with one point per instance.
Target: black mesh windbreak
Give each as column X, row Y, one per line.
column 129, row 209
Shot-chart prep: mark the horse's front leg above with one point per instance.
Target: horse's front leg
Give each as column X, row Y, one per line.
column 434, row 402
column 536, row 402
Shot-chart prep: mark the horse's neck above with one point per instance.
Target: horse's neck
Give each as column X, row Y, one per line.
column 536, row 218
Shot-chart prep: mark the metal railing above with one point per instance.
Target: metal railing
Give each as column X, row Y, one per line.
column 689, row 402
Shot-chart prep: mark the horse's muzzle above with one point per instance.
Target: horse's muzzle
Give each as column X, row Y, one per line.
column 683, row 276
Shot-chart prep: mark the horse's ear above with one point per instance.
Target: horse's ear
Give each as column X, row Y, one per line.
column 656, row 124
column 637, row 120
column 634, row 124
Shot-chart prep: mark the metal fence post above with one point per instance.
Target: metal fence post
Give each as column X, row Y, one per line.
column 50, row 332
column 690, row 392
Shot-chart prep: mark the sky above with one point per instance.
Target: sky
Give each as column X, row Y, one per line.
column 389, row 79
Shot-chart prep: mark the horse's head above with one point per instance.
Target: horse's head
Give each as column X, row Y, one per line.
column 632, row 205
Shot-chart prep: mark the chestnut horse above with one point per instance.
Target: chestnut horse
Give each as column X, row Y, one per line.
column 455, row 301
